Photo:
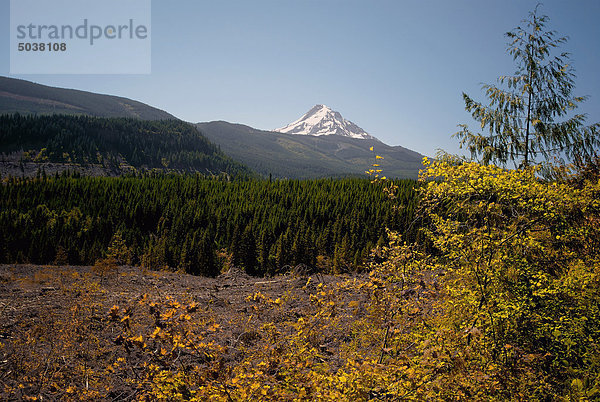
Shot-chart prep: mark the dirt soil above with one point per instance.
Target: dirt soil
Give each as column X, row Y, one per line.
column 63, row 330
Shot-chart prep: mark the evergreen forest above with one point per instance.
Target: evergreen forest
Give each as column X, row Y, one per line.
column 181, row 222
column 113, row 143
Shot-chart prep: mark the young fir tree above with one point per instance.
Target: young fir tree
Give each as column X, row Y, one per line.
column 530, row 113
column 207, row 256
column 248, row 252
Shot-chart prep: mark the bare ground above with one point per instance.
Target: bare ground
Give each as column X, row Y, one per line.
column 64, row 330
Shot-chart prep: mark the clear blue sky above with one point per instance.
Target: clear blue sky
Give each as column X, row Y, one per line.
column 395, row 68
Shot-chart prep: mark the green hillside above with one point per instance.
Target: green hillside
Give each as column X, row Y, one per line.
column 19, row 96
column 303, row 156
column 112, row 144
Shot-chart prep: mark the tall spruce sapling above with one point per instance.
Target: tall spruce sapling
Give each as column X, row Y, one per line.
column 531, row 113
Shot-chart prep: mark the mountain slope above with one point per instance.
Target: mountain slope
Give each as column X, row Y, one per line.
column 333, row 147
column 321, row 120
column 19, row 96
column 306, row 156
column 107, row 146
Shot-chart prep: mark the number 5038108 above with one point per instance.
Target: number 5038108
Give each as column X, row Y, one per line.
column 42, row 47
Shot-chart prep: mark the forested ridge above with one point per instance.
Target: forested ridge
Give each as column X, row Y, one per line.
column 181, row 221
column 306, row 156
column 113, row 142
column 30, row 98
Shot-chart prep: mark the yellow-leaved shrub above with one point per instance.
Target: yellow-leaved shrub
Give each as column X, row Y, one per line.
column 499, row 301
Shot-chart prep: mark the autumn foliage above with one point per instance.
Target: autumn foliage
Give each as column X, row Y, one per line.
column 499, row 303
column 498, row 300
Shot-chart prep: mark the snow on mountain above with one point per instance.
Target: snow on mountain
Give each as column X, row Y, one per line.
column 321, row 120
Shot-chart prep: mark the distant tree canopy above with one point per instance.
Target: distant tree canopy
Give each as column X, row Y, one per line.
column 110, row 142
column 530, row 113
column 181, row 221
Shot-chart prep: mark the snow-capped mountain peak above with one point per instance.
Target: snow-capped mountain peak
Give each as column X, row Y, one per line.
column 321, row 120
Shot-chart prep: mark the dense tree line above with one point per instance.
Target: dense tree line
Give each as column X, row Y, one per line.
column 181, row 222
column 165, row 144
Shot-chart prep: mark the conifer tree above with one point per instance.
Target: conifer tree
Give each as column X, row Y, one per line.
column 248, row 252
column 236, row 247
column 207, row 256
column 530, row 113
